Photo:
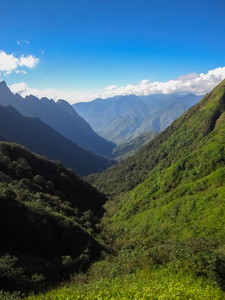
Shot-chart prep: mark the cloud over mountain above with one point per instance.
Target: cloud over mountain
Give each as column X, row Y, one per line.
column 9, row 62
column 191, row 83
column 198, row 84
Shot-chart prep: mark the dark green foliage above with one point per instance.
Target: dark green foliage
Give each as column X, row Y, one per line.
column 48, row 219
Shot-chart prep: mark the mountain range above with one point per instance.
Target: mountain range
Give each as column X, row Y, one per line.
column 60, row 116
column 40, row 138
column 122, row 118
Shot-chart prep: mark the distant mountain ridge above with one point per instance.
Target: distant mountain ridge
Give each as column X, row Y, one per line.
column 61, row 116
column 123, row 118
column 42, row 139
column 128, row 149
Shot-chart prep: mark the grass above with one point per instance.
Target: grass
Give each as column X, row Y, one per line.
column 158, row 284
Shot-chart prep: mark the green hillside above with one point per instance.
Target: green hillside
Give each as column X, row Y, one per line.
column 48, row 219
column 167, row 203
column 189, row 137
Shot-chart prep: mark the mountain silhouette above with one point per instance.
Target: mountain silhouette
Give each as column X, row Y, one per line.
column 40, row 138
column 61, row 116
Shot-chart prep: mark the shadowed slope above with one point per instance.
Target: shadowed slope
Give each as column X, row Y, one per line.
column 60, row 116
column 47, row 216
column 42, row 139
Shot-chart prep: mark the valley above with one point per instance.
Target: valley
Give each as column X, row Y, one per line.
column 112, row 150
column 150, row 226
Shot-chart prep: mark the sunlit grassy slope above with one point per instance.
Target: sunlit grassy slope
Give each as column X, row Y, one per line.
column 177, row 214
column 167, row 204
column 143, row 285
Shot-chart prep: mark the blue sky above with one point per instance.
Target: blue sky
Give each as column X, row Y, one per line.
column 85, row 48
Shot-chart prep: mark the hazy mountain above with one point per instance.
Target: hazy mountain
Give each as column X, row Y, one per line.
column 123, row 118
column 157, row 102
column 47, row 228
column 60, row 116
column 130, row 148
column 43, row 139
column 161, row 119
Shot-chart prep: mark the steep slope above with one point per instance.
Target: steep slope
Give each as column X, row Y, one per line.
column 42, row 139
column 48, row 220
column 168, row 203
column 121, row 119
column 181, row 137
column 60, row 116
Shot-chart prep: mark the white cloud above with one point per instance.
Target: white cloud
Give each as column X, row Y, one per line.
column 195, row 83
column 20, row 72
column 29, row 61
column 9, row 62
column 191, row 83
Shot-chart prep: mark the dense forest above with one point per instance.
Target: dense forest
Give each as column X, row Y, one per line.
column 49, row 219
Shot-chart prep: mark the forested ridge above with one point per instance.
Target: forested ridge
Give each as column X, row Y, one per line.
column 48, row 220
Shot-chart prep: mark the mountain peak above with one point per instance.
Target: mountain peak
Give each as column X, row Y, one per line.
column 5, row 93
column 3, row 83
column 4, row 87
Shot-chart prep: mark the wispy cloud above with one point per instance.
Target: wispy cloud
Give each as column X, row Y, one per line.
column 21, row 43
column 195, row 83
column 9, row 62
